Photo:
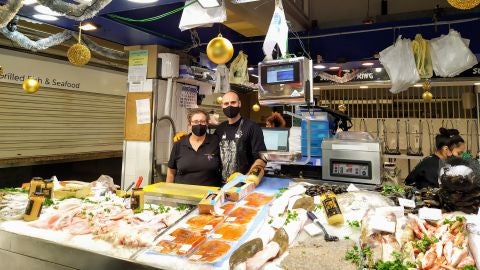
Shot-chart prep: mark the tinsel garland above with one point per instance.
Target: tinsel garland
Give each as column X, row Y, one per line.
column 41, row 44
column 56, row 39
column 8, row 11
column 334, row 78
column 78, row 12
column 106, row 52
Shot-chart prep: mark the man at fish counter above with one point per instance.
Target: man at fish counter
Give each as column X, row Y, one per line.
column 241, row 140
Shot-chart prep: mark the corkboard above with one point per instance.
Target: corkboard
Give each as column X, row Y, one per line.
column 134, row 131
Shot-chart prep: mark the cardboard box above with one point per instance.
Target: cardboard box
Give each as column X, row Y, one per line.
column 153, row 50
column 211, row 203
column 239, row 191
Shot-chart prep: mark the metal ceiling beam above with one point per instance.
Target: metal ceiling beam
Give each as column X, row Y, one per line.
column 129, row 6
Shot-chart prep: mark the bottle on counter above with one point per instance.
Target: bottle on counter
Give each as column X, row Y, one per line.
column 332, row 209
column 34, row 207
column 48, row 188
column 36, row 185
column 137, row 200
column 255, row 175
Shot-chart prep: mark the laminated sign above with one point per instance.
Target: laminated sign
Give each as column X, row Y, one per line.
column 277, row 32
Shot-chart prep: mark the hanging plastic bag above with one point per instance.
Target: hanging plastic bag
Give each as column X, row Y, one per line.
column 238, row 69
column 277, row 32
column 451, row 55
column 222, row 84
column 399, row 62
column 194, row 15
column 421, row 52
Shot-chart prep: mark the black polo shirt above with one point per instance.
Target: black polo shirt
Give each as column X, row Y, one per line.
column 201, row 167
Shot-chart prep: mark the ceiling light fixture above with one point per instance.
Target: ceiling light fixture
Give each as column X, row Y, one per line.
column 318, row 66
column 29, row 2
column 477, row 83
column 143, row 1
column 44, row 17
column 334, row 68
column 378, row 70
column 46, row 10
column 418, row 85
column 88, row 27
column 363, row 86
column 250, row 68
column 368, row 64
column 254, row 75
column 210, row 3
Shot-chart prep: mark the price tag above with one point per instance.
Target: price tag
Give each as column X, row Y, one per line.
column 379, row 223
column 216, row 235
column 406, row 203
column 352, row 188
column 207, row 227
column 169, row 237
column 317, row 200
column 230, row 219
column 398, row 211
column 430, row 213
column 185, row 248
column 195, row 257
column 312, row 229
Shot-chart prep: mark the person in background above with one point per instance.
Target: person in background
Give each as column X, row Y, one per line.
column 275, row 120
column 241, row 140
column 426, row 173
column 195, row 158
column 457, row 144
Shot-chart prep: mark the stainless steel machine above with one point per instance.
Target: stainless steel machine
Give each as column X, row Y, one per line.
column 353, row 157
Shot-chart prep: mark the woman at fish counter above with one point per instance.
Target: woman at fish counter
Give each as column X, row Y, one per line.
column 426, row 173
column 195, row 159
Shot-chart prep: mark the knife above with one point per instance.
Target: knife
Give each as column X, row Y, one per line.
column 327, row 237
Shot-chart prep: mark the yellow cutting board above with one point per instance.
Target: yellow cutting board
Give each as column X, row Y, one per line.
column 178, row 190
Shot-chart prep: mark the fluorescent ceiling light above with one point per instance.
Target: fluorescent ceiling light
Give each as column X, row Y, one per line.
column 367, row 64
column 378, row 70
column 334, row 68
column 29, row 2
column 250, row 68
column 254, row 75
column 319, row 66
column 417, row 85
column 316, row 88
column 88, row 27
column 46, row 10
column 477, row 83
column 363, row 86
column 209, row 3
column 44, row 17
column 143, row 1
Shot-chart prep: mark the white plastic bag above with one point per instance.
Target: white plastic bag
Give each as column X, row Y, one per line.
column 222, row 84
column 451, row 55
column 195, row 15
column 238, row 69
column 399, row 62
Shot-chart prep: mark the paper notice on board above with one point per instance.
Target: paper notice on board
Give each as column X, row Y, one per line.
column 137, row 65
column 143, row 111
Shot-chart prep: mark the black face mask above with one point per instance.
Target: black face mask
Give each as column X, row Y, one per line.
column 231, row 112
column 199, row 130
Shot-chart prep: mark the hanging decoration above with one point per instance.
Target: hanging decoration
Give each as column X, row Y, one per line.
column 277, row 32
column 1, row 71
column 219, row 100
column 464, row 4
column 256, row 107
column 103, row 51
column 42, row 44
column 79, row 54
column 78, row 12
column 427, row 95
column 342, row 107
column 222, row 84
column 334, row 78
column 219, row 50
column 194, row 15
column 31, row 85
column 239, row 69
column 8, row 11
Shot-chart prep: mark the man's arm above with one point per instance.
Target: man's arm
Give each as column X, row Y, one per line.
column 258, row 145
column 171, row 175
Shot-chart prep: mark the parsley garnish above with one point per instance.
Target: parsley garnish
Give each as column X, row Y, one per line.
column 354, row 224
column 182, row 207
column 48, row 202
column 280, row 192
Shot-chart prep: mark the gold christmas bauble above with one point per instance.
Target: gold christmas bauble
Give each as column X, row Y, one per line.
column 1, row 70
column 219, row 50
column 219, row 100
column 31, row 85
column 464, row 4
column 342, row 108
column 79, row 54
column 256, row 107
column 427, row 96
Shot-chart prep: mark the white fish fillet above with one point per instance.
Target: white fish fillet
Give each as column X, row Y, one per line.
column 280, row 204
column 263, row 256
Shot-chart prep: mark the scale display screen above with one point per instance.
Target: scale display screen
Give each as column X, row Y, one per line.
column 276, row 139
column 351, row 169
column 278, row 74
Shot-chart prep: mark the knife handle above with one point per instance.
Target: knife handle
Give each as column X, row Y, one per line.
column 311, row 215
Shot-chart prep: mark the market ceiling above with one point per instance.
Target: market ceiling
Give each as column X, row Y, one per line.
column 337, row 44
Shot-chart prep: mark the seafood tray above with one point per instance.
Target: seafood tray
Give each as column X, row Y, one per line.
column 257, row 199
